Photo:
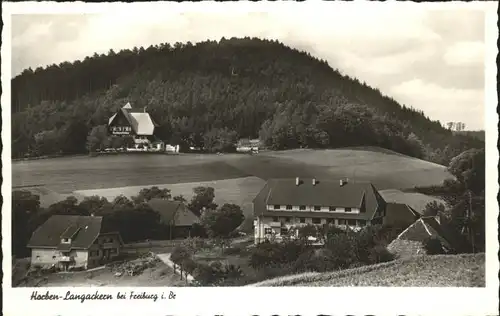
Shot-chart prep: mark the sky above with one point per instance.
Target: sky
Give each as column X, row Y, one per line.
column 431, row 60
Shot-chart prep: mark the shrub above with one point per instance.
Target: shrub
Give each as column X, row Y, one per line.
column 232, row 272
column 379, row 254
column 208, row 274
column 194, row 244
column 266, row 254
column 189, row 265
column 292, row 250
column 433, row 246
column 180, row 254
column 314, row 260
column 233, row 251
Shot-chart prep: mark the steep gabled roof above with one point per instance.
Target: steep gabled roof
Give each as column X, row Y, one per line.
column 82, row 230
column 142, row 123
column 173, row 212
column 398, row 214
column 323, row 193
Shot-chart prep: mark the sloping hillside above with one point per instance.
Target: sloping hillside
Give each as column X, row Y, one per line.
column 466, row 270
column 209, row 93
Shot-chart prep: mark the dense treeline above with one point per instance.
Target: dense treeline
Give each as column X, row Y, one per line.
column 208, row 94
column 464, row 197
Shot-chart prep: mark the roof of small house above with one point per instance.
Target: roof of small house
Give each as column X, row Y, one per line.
column 82, row 230
column 428, row 226
column 398, row 214
column 141, row 122
column 173, row 211
column 323, row 193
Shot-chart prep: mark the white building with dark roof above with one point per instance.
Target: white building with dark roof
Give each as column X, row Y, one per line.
column 286, row 203
column 139, row 125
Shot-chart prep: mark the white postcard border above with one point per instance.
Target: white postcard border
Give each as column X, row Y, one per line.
column 262, row 301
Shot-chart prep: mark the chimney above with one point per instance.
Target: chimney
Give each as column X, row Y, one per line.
column 341, row 182
column 297, row 181
column 314, row 181
column 145, row 109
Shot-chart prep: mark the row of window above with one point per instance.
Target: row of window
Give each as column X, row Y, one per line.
column 95, row 253
column 121, row 128
column 316, row 208
column 302, row 220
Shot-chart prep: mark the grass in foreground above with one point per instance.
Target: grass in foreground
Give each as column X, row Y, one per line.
column 467, row 270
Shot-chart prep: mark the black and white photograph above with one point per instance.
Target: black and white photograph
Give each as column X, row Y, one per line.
column 308, row 145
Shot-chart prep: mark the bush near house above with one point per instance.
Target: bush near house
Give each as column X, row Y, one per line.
column 433, row 246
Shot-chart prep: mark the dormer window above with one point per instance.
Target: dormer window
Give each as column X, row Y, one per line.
column 65, row 240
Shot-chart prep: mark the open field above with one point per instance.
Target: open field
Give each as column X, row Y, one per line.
column 239, row 191
column 387, row 170
column 65, row 175
column 466, row 270
column 47, row 196
column 384, row 168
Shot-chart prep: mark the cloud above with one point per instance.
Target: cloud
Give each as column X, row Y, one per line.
column 465, row 53
column 444, row 104
column 390, row 48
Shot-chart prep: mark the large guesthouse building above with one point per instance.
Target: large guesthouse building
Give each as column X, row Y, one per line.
column 138, row 125
column 285, row 203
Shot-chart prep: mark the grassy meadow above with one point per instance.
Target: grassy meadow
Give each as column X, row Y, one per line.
column 240, row 191
column 466, row 270
column 237, row 178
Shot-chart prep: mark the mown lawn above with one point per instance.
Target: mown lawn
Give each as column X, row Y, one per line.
column 384, row 168
column 387, row 170
column 466, row 270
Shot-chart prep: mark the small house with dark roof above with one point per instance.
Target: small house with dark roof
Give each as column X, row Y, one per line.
column 286, row 203
column 175, row 215
column 69, row 241
column 138, row 124
column 411, row 241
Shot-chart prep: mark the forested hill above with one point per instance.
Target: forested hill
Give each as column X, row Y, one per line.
column 211, row 93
